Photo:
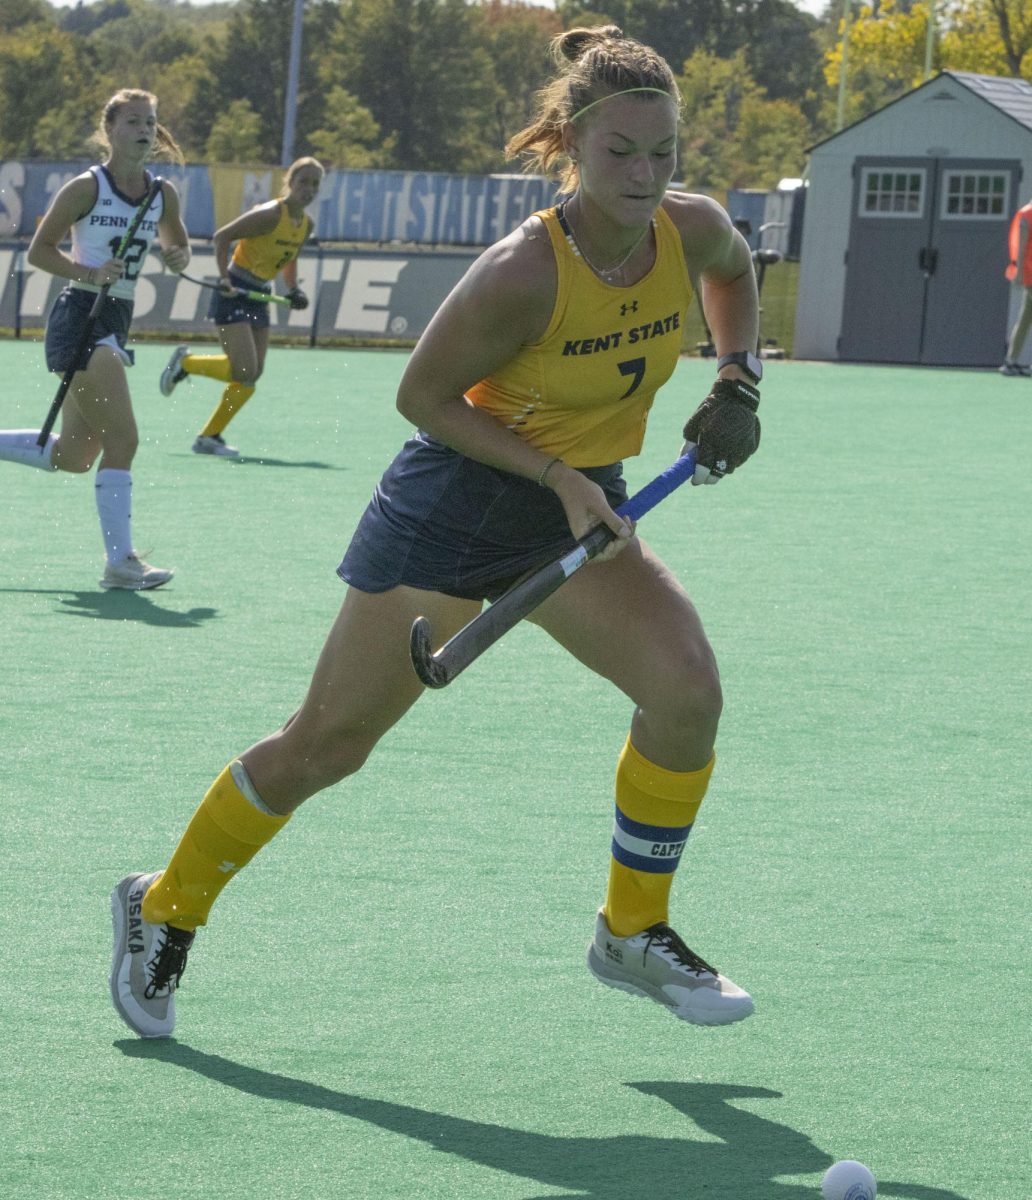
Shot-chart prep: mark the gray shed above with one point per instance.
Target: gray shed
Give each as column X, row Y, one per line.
column 905, row 235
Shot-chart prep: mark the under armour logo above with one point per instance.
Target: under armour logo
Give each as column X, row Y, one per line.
column 226, row 867
column 626, row 308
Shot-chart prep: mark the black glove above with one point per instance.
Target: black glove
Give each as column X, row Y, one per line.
column 298, row 300
column 725, row 428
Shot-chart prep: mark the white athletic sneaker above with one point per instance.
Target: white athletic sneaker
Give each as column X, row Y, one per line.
column 1013, row 368
column 134, row 575
column 174, row 372
column 657, row 964
column 147, row 961
column 214, row 445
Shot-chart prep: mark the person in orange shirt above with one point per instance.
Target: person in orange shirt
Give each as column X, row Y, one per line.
column 1019, row 272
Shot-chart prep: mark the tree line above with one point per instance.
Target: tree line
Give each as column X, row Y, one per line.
column 439, row 85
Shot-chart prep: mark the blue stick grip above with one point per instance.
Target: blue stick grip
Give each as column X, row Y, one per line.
column 651, row 494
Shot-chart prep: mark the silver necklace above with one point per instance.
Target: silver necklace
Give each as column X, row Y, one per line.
column 605, row 272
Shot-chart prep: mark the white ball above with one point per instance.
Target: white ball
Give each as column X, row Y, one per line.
column 848, row 1180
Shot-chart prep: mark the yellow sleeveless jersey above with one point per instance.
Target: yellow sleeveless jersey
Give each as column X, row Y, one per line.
column 268, row 254
column 583, row 392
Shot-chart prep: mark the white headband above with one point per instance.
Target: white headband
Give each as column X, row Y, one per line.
column 625, row 92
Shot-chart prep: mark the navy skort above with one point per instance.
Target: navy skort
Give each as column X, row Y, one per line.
column 447, row 523
column 234, row 310
column 65, row 325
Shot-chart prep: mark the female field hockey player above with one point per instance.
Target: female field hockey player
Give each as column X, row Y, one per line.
column 529, row 386
column 97, row 207
column 268, row 240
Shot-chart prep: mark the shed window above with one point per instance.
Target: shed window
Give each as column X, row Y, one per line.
column 972, row 194
column 892, row 193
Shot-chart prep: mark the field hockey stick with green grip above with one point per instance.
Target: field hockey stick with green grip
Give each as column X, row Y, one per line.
column 244, row 293
column 91, row 319
column 438, row 670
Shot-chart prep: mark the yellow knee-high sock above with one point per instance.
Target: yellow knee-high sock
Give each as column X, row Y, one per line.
column 224, row 834
column 233, row 400
column 655, row 809
column 214, row 366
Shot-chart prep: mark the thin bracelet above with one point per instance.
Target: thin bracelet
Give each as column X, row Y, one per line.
column 545, row 469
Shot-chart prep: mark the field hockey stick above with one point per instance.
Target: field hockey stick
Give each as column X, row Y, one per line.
column 91, row 319
column 267, row 297
column 438, row 670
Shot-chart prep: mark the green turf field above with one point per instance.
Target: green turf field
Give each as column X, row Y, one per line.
column 392, row 1000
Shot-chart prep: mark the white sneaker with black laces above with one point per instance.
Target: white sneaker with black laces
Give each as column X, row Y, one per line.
column 134, row 575
column 213, row 444
column 657, row 964
column 174, row 372
column 147, row 961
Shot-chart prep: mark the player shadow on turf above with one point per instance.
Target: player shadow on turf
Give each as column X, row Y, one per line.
column 744, row 1164
column 261, row 460
column 246, row 460
column 118, row 605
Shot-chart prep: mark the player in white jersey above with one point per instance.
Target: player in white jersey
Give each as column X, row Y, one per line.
column 97, row 208
column 97, row 235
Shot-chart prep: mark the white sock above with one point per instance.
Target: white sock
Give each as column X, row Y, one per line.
column 247, row 789
column 19, row 445
column 114, row 493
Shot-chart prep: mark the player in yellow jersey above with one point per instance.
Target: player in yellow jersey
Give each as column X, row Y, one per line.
column 265, row 240
column 530, row 384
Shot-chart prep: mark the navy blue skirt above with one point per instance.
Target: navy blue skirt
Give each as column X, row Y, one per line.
column 234, row 310
column 447, row 523
column 66, row 321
